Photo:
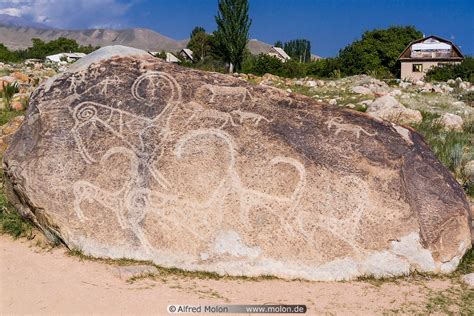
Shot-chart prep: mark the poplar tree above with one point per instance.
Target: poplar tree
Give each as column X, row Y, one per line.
column 233, row 25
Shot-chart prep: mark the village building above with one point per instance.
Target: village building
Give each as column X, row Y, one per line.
column 425, row 53
column 279, row 53
column 170, row 58
column 186, row 54
column 64, row 57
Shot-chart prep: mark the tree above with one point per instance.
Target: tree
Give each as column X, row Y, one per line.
column 200, row 43
column 233, row 25
column 377, row 51
column 278, row 44
column 298, row 49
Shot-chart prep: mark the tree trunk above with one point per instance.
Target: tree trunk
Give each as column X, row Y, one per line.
column 231, row 68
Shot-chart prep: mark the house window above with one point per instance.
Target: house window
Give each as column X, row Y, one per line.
column 417, row 68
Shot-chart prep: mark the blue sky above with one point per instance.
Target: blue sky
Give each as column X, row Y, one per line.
column 329, row 25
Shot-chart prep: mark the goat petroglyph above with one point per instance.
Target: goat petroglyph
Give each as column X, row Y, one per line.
column 337, row 122
column 132, row 157
column 223, row 91
column 255, row 118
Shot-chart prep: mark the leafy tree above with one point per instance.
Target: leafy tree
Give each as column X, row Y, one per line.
column 197, row 29
column 299, row 49
column 464, row 70
column 6, row 55
column 278, row 44
column 377, row 51
column 200, row 43
column 41, row 49
column 324, row 68
column 233, row 25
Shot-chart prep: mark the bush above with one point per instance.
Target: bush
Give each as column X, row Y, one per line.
column 451, row 147
column 263, row 64
column 464, row 70
column 377, row 50
column 8, row 91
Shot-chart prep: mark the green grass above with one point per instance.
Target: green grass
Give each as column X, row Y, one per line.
column 452, row 148
column 11, row 222
column 166, row 272
column 6, row 116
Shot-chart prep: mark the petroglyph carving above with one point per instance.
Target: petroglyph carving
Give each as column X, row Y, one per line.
column 337, row 122
column 200, row 112
column 240, row 92
column 158, row 82
column 256, row 118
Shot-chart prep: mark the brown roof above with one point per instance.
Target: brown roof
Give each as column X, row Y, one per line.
column 455, row 53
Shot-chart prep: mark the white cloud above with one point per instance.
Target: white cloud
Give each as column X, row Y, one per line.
column 69, row 13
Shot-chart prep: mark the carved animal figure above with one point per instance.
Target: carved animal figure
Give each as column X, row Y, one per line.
column 201, row 112
column 337, row 122
column 224, row 91
column 256, row 118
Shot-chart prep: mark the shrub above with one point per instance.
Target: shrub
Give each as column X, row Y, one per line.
column 451, row 147
column 464, row 70
column 8, row 91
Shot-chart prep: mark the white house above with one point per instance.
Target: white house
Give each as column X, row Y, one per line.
column 279, row 53
column 65, row 57
column 187, row 54
column 170, row 58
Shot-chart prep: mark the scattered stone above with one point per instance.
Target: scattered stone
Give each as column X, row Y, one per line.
column 7, row 130
column 468, row 279
column 395, row 92
column 332, row 102
column 451, row 121
column 404, row 84
column 361, row 90
column 420, row 83
column 388, row 108
column 350, row 105
column 331, row 84
column 469, row 170
column 311, row 83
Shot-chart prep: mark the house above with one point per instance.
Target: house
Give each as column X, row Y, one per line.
column 425, row 53
column 186, row 54
column 65, row 57
column 279, row 53
column 170, row 58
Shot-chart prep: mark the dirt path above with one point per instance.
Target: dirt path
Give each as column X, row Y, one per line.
column 33, row 280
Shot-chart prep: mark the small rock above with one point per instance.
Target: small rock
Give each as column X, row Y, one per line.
column 469, row 170
column 289, row 90
column 395, row 92
column 388, row 108
column 420, row 83
column 468, row 279
column 331, row 84
column 459, row 103
column 361, row 90
column 350, row 105
column 451, row 121
column 311, row 83
column 332, row 102
column 404, row 84
column 451, row 82
column 458, row 80
column 463, row 85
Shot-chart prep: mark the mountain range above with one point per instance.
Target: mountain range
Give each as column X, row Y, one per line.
column 17, row 34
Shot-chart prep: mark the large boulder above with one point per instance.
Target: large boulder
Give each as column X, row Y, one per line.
column 127, row 156
column 388, row 108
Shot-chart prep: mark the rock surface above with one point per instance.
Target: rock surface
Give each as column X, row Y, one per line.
column 388, row 108
column 468, row 279
column 128, row 156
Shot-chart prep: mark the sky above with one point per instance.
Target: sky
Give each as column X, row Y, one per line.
column 328, row 24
